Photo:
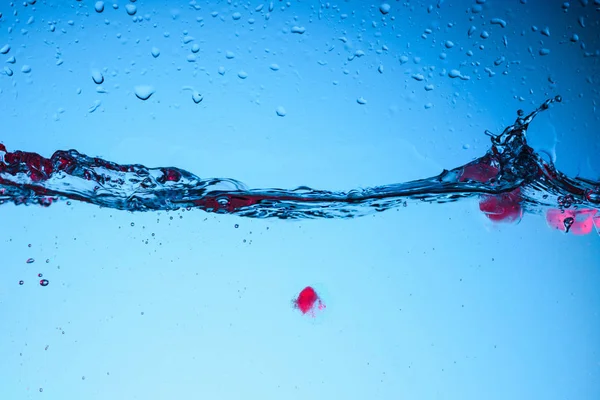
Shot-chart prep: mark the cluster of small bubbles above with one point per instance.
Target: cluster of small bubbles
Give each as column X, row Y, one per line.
column 565, row 201
column 44, row 282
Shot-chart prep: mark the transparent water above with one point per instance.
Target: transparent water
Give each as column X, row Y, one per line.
column 229, row 158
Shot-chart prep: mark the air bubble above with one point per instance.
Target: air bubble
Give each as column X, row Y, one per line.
column 568, row 222
column 143, row 92
column 44, row 282
column 280, row 111
column 21, row 282
column 99, row 6
column 30, row 261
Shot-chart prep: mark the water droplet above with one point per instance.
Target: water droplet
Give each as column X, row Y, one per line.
column 97, row 77
column 44, row 282
column 30, row 261
column 499, row 21
column 143, row 92
column 21, row 282
column 574, row 38
column 11, row 60
column 484, row 35
column 298, row 29
column 131, row 9
column 99, row 6
column 8, row 71
column 454, row 73
column 429, row 87
column 229, row 55
column 418, row 77
column 449, row 44
column 5, row 49
column 197, row 97
column 242, row 75
column 428, row 106
column 25, row 69
column 361, row 100
column 221, row 70
column 403, row 59
column 236, row 16
column 384, row 8
column 380, row 69
column 472, row 30
column 544, row 52
column 155, row 52
column 274, row 67
column 281, row 111
column 195, row 48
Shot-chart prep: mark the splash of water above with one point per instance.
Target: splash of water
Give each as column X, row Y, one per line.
column 509, row 179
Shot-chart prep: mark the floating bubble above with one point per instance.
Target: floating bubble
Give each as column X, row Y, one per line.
column 281, row 111
column 44, row 282
column 384, row 8
column 143, row 92
column 97, row 77
column 99, row 6
column 131, row 9
column 155, row 52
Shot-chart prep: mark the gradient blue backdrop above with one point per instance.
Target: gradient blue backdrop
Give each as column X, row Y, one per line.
column 426, row 302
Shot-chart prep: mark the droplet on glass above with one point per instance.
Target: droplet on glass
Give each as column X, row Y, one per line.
column 143, row 92
column 242, row 75
column 99, row 6
column 97, row 77
column 197, row 97
column 449, row 44
column 25, row 69
column 544, row 52
column 361, row 100
column 274, row 67
column 131, row 9
column 5, row 49
column 236, row 16
column 298, row 29
column 384, row 8
column 229, row 55
column 155, row 52
column 281, row 111
column 221, row 70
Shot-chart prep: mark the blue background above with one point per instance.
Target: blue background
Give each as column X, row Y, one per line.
column 428, row 301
